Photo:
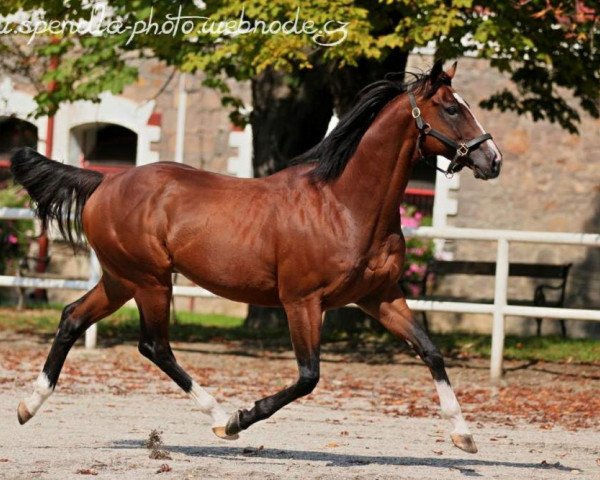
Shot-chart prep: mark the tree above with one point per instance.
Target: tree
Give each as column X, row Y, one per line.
column 297, row 80
column 543, row 45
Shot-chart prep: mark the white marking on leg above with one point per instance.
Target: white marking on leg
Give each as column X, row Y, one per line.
column 41, row 391
column 209, row 405
column 451, row 408
column 491, row 145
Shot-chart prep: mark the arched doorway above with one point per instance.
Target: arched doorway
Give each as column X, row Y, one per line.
column 105, row 147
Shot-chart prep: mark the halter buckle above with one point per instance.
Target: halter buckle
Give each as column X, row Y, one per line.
column 462, row 150
column 416, row 112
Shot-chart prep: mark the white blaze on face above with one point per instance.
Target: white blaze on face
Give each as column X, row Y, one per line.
column 491, row 145
column 209, row 405
column 451, row 408
column 41, row 391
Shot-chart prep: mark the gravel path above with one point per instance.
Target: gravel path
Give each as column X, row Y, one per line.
column 109, row 401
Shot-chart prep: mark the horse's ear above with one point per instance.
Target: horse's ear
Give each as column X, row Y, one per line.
column 452, row 70
column 437, row 77
column 436, row 71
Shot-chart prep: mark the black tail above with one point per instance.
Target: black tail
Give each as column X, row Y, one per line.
column 59, row 191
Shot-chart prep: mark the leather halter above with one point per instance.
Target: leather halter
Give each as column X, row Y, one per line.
column 461, row 149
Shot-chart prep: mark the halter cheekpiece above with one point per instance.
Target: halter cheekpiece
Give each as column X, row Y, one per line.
column 461, row 150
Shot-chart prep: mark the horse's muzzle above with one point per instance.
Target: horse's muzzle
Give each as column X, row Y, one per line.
column 485, row 163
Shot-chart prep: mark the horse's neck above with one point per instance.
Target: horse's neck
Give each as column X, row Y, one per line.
column 373, row 182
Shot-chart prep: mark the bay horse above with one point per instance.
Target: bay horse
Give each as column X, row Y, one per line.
column 315, row 236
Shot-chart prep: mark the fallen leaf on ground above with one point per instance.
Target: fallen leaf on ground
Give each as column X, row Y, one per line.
column 154, row 439
column 545, row 464
column 160, row 455
column 164, row 468
column 86, row 471
column 252, row 450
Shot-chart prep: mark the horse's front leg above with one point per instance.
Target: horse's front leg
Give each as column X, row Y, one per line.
column 304, row 319
column 391, row 310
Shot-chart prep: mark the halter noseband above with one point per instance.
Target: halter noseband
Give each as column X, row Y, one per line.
column 461, row 150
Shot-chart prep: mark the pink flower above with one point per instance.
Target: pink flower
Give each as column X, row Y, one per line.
column 12, row 239
column 416, row 268
column 414, row 289
column 409, row 222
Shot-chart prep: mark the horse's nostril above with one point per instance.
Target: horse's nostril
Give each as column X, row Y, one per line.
column 496, row 170
column 496, row 163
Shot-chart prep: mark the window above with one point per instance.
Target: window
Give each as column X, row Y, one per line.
column 104, row 146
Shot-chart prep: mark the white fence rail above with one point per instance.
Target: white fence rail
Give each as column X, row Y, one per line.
column 7, row 213
column 499, row 309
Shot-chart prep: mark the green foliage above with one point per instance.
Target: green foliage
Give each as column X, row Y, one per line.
column 96, row 67
column 14, row 234
column 547, row 349
column 545, row 47
column 192, row 327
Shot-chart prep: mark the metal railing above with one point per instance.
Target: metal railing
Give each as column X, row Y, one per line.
column 499, row 309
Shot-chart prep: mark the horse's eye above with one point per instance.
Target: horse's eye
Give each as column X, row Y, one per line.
column 452, row 110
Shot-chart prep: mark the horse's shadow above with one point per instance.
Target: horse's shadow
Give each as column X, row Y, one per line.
column 464, row 465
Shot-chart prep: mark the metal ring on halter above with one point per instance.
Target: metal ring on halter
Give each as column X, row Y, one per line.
column 462, row 150
column 426, row 128
column 416, row 112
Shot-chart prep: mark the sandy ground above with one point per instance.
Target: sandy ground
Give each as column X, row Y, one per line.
column 364, row 421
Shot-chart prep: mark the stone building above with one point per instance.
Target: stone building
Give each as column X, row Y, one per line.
column 550, row 179
column 164, row 116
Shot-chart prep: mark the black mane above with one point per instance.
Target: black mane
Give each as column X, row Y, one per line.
column 332, row 154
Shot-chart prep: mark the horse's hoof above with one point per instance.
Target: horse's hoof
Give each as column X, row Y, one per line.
column 23, row 413
column 233, row 425
column 221, row 433
column 464, row 442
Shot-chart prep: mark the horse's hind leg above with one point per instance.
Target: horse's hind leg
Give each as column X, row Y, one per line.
column 305, row 330
column 102, row 300
column 393, row 312
column 154, row 307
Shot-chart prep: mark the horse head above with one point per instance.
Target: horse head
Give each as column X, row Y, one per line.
column 448, row 127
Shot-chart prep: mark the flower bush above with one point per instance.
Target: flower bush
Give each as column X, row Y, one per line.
column 419, row 251
column 14, row 234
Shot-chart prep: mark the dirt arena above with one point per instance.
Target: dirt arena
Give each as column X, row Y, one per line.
column 365, row 420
